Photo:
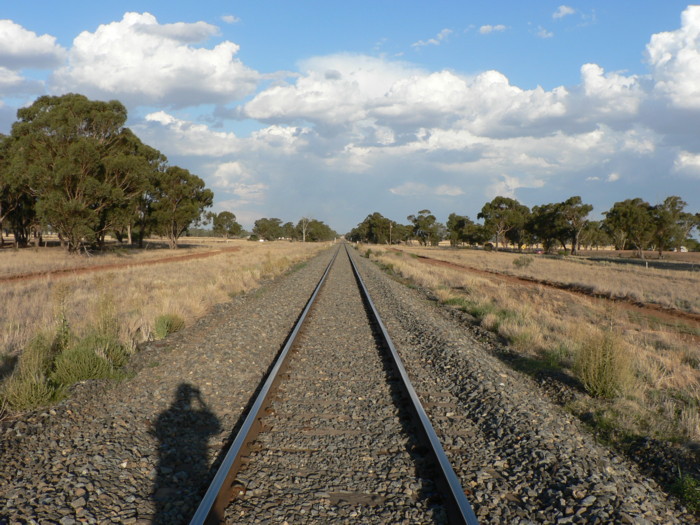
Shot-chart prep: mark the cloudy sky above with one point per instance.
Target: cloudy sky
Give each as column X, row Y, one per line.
column 336, row 110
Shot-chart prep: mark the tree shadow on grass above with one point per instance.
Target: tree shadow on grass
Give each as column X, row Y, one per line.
column 183, row 432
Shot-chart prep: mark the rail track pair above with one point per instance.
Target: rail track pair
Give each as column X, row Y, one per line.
column 444, row 487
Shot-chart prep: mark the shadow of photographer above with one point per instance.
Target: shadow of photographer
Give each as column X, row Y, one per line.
column 183, row 432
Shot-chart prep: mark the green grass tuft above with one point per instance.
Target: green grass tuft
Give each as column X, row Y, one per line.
column 167, row 324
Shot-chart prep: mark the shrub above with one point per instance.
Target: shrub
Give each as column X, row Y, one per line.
column 368, row 252
column 21, row 392
column 167, row 324
column 603, row 365
column 523, row 261
column 83, row 361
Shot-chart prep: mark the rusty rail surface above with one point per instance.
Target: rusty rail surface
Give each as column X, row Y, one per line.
column 223, row 488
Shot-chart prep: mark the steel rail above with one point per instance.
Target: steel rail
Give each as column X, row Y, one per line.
column 218, row 496
column 458, row 507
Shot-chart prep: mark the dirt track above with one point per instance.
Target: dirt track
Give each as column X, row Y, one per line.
column 115, row 266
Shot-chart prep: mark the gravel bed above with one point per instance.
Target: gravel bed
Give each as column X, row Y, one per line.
column 339, row 449
column 141, row 451
column 520, row 458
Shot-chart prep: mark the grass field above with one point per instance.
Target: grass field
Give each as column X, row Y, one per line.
column 669, row 288
column 125, row 304
column 642, row 372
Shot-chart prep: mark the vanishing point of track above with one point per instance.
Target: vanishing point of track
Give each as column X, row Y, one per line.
column 336, row 432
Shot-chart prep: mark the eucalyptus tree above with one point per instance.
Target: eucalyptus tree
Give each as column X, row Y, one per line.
column 268, row 229
column 502, row 215
column 426, row 228
column 573, row 215
column 671, row 225
column 80, row 164
column 179, row 199
column 225, row 225
column 632, row 220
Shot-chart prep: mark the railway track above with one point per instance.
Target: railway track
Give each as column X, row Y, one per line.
column 336, row 433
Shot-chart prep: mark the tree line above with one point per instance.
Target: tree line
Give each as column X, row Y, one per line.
column 71, row 167
column 306, row 230
column 629, row 224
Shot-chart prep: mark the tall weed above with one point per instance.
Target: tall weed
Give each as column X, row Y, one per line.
column 603, row 364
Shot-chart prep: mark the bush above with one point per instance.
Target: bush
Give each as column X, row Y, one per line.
column 523, row 261
column 22, row 392
column 93, row 357
column 603, row 365
column 167, row 324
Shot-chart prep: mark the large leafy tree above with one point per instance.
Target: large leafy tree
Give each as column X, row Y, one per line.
column 502, row 215
column 81, row 163
column 179, row 199
column 631, row 219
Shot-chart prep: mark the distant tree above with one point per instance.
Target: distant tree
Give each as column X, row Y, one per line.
column 179, row 199
column 426, row 228
column 671, row 224
column 573, row 217
column 631, row 219
column 289, row 231
column 544, row 225
column 268, row 229
column 303, row 227
column 594, row 235
column 456, row 225
column 502, row 215
column 318, row 231
column 224, row 224
column 377, row 229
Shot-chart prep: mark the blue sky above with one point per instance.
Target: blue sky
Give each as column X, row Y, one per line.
column 337, row 110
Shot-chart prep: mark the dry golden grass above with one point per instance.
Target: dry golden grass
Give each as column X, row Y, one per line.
column 139, row 294
column 38, row 260
column 659, row 396
column 669, row 288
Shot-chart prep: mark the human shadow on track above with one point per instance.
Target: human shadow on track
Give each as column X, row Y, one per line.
column 183, row 432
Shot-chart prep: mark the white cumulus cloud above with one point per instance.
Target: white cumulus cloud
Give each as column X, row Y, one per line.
column 141, row 61
column 21, row 48
column 674, row 57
